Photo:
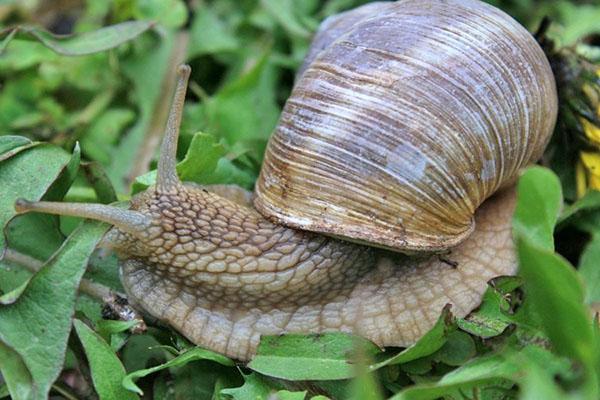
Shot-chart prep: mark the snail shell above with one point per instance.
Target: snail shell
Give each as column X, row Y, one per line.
column 405, row 118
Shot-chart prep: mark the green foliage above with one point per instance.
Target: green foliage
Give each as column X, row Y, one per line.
column 37, row 326
column 107, row 370
column 182, row 359
column 309, row 357
column 105, row 87
column 85, row 43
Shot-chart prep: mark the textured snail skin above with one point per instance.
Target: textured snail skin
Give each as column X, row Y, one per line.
column 405, row 118
column 221, row 274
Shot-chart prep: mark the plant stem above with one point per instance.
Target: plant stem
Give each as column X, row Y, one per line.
column 33, row 265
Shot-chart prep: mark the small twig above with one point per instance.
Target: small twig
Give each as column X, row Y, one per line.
column 115, row 303
column 33, row 265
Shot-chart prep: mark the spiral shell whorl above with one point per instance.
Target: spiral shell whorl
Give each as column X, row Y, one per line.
column 406, row 122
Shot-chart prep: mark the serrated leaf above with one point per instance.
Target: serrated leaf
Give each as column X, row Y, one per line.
column 107, row 370
column 197, row 353
column 37, row 326
column 293, row 357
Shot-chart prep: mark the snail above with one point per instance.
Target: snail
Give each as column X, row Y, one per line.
column 386, row 192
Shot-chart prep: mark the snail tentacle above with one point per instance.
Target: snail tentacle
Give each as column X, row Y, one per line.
column 129, row 221
column 166, row 178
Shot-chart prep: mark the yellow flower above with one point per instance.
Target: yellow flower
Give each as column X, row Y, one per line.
column 588, row 172
column 592, row 132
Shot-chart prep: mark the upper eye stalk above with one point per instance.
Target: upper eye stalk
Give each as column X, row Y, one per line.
column 130, row 221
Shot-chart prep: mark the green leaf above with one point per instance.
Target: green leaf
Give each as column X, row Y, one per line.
column 197, row 353
column 4, row 391
column 209, row 35
column 365, row 385
column 589, row 271
column 139, row 350
column 107, row 370
column 431, row 342
column 98, row 142
column 96, row 41
column 287, row 395
column 170, row 13
column 28, row 174
column 201, row 158
column 556, row 294
column 37, row 326
column 254, row 388
column 204, row 163
column 283, row 12
column 309, row 357
column 21, row 54
column 554, row 290
column 539, row 384
column 245, row 110
column 9, row 142
column 38, row 234
column 7, row 40
column 201, row 380
column 487, row 370
column 62, row 184
column 108, row 326
column 458, row 349
column 538, row 207
column 490, row 319
column 15, row 373
column 589, row 202
column 13, row 295
column 578, row 21
column 96, row 176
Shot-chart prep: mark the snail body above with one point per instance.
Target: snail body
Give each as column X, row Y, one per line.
column 405, row 131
